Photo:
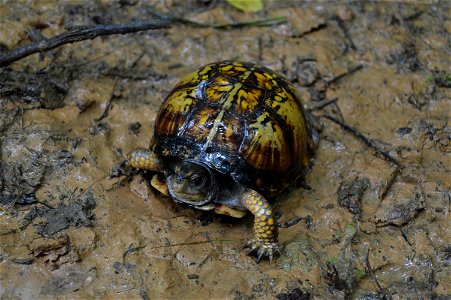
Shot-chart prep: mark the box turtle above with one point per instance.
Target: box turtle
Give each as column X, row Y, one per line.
column 229, row 135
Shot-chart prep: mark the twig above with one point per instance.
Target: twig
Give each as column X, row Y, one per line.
column 108, row 105
column 270, row 21
column 191, row 243
column 294, row 221
column 414, row 16
column 81, row 34
column 90, row 186
column 131, row 250
column 368, row 141
column 345, row 31
column 391, row 181
column 348, row 72
column 366, row 260
column 311, row 30
column 318, row 105
column 405, row 237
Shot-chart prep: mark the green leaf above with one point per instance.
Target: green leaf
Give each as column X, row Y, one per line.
column 333, row 261
column 359, row 273
column 247, row 5
column 350, row 230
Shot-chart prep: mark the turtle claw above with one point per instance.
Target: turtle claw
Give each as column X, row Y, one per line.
column 262, row 249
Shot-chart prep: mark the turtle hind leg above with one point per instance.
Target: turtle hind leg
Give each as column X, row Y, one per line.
column 264, row 243
column 144, row 159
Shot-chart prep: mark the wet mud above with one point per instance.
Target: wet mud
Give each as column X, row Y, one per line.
column 371, row 220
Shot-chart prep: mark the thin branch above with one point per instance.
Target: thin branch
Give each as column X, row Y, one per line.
column 81, row 34
column 108, row 105
column 270, row 21
column 368, row 141
column 345, row 31
column 190, row 243
column 391, row 181
column 366, row 260
column 350, row 71
column 318, row 105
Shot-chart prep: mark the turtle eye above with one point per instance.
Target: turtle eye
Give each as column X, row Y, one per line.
column 197, row 181
column 179, row 179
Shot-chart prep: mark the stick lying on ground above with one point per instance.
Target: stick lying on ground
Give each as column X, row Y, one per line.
column 81, row 34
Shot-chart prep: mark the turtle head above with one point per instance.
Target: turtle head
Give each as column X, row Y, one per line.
column 192, row 183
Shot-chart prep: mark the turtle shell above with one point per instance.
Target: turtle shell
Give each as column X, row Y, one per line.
column 239, row 119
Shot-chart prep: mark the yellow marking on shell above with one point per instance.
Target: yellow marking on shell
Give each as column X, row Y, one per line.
column 190, row 78
column 270, row 83
column 266, row 149
column 248, row 100
column 200, row 123
column 227, row 67
column 204, row 73
column 172, row 113
column 213, row 130
column 181, row 100
column 271, row 221
column 205, row 70
column 196, row 76
column 226, row 104
column 288, row 107
column 238, row 67
column 227, row 101
column 262, row 81
column 221, row 80
column 228, row 133
column 216, row 92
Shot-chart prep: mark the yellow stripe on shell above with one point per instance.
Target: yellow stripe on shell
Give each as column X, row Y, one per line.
column 173, row 111
column 226, row 104
column 288, row 107
column 270, row 135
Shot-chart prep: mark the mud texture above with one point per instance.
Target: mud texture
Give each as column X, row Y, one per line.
column 370, row 222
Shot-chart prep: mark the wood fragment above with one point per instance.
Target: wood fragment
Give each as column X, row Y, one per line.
column 348, row 72
column 345, row 31
column 366, row 253
column 391, row 181
column 82, row 33
column 108, row 105
column 368, row 141
column 318, row 105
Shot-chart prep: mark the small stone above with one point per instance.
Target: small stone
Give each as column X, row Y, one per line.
column 192, row 276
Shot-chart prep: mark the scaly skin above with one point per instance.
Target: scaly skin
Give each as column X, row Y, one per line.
column 144, row 159
column 265, row 226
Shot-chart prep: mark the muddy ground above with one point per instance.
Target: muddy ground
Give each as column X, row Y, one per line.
column 76, row 222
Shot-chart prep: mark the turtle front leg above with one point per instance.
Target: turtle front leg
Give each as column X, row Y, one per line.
column 144, row 159
column 265, row 226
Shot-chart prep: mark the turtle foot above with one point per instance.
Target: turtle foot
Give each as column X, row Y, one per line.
column 262, row 249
